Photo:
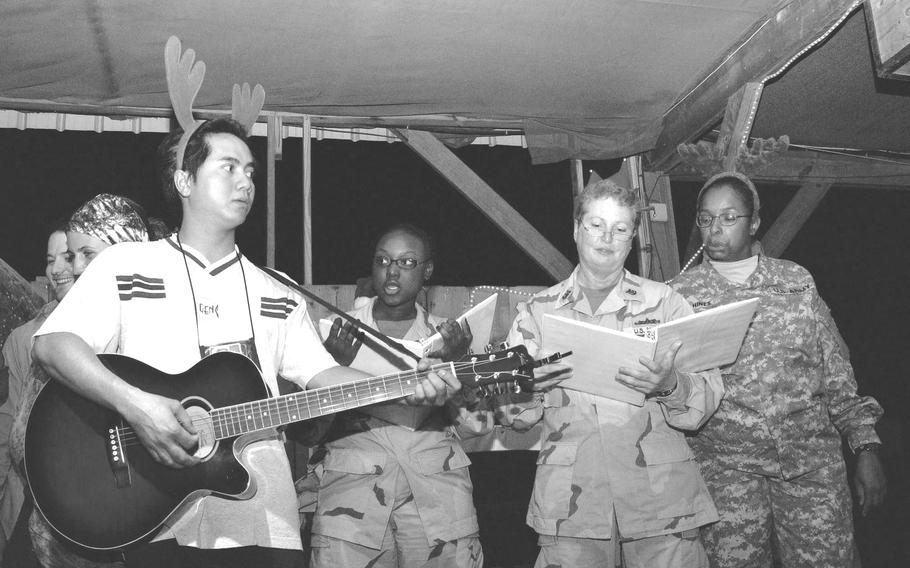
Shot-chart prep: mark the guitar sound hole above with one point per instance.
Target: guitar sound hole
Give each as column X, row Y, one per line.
column 199, row 413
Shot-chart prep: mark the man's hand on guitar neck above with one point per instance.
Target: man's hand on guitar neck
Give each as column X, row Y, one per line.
column 164, row 428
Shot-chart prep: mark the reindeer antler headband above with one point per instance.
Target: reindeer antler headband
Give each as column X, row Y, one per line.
column 184, row 78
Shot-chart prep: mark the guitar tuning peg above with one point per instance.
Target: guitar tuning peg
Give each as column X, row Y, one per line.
column 516, row 388
column 488, row 348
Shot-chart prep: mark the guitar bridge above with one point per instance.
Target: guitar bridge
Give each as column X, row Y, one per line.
column 116, row 457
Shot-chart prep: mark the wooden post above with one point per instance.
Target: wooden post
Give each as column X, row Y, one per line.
column 307, row 202
column 793, row 217
column 578, row 176
column 274, row 137
column 665, row 251
column 636, row 179
column 488, row 202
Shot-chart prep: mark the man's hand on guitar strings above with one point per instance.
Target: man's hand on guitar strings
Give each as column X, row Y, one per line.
column 437, row 388
column 164, row 428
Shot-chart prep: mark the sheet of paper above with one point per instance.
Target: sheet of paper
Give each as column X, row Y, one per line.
column 711, row 338
column 480, row 318
column 597, row 355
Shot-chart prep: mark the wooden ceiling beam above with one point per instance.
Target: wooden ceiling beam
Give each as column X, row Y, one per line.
column 798, row 167
column 793, row 217
column 503, row 215
column 765, row 48
column 737, row 124
column 449, row 124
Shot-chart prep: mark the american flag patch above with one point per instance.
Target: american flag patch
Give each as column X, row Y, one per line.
column 279, row 308
column 138, row 286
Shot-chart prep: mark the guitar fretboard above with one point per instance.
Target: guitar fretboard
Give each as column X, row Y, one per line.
column 230, row 421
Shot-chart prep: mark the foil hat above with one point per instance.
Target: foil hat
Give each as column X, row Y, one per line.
column 110, row 218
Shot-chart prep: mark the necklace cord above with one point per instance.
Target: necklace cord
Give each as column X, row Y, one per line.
column 246, row 296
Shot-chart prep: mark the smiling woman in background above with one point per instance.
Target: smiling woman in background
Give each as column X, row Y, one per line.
column 17, row 354
column 102, row 221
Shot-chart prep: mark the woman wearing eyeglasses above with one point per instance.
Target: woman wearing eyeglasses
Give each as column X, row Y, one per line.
column 394, row 489
column 614, row 480
column 771, row 455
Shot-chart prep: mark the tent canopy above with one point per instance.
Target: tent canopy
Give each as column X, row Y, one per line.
column 585, row 78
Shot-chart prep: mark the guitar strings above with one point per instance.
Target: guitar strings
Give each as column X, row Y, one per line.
column 233, row 413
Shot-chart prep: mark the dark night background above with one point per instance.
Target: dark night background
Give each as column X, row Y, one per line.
column 854, row 244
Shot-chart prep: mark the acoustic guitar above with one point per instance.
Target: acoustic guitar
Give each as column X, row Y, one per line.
column 98, row 486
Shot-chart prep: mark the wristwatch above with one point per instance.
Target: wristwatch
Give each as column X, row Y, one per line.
column 873, row 447
column 663, row 393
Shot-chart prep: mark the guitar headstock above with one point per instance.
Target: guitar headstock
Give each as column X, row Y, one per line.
column 504, row 366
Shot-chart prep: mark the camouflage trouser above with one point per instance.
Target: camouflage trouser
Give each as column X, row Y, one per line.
column 404, row 544
column 678, row 550
column 806, row 521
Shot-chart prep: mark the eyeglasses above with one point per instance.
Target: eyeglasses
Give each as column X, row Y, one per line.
column 597, row 229
column 727, row 219
column 405, row 263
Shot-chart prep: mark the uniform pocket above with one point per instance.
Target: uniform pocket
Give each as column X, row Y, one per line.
column 352, row 501
column 665, row 450
column 553, row 482
column 673, row 472
column 439, row 460
column 354, row 461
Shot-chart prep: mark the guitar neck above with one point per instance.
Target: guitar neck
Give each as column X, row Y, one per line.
column 230, row 421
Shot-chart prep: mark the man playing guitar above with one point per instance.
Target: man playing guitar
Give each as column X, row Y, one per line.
column 170, row 303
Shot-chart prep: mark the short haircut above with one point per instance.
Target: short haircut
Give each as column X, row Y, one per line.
column 606, row 189
column 741, row 185
column 196, row 152
column 429, row 242
column 58, row 224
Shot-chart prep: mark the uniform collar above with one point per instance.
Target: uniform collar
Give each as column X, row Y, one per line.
column 758, row 276
column 629, row 289
column 420, row 329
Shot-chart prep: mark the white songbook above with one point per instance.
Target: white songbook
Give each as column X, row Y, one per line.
column 711, row 338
